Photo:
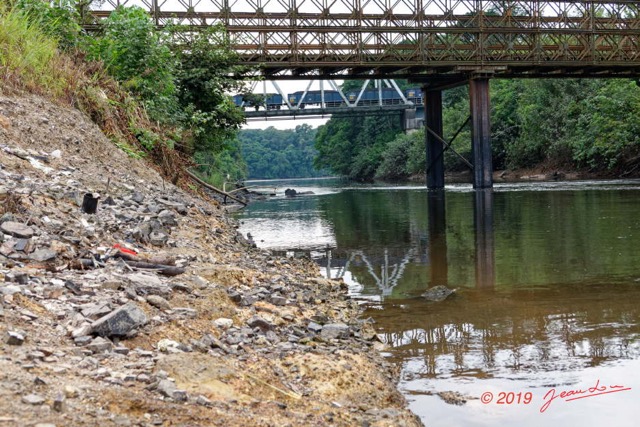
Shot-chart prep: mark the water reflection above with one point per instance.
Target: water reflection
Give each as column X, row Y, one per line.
column 438, row 237
column 483, row 227
column 548, row 289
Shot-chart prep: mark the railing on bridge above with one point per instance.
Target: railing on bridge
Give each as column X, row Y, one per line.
column 293, row 38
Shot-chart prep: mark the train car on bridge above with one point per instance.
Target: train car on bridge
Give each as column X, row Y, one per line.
column 332, row 98
column 314, row 97
column 273, row 101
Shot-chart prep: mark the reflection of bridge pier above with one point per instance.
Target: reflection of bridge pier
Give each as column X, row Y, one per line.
column 483, row 225
column 437, row 238
column 484, row 241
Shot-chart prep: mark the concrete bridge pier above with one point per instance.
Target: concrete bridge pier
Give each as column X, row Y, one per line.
column 480, row 108
column 434, row 145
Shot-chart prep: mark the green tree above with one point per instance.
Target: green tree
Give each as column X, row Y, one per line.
column 138, row 55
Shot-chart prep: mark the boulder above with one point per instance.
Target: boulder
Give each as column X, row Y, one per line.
column 120, row 321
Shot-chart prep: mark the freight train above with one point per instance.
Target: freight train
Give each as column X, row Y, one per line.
column 332, row 98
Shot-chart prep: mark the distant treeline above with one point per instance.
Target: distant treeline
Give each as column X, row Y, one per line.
column 565, row 123
column 274, row 153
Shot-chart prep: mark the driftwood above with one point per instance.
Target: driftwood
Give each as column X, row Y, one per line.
column 214, row 189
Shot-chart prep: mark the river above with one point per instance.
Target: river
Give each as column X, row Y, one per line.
column 547, row 279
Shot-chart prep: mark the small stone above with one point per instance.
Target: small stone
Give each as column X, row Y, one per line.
column 33, row 399
column 166, row 388
column 278, row 300
column 148, row 284
column 17, row 229
column 121, row 350
column 83, row 340
column 223, row 323
column 100, row 345
column 158, row 238
column 42, row 255
column 158, row 302
column 203, row 401
column 15, row 338
column 314, row 327
column 71, row 392
column 58, row 403
column 180, row 395
column 335, row 330
column 259, row 322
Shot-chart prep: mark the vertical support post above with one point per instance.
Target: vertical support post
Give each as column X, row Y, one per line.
column 437, row 237
column 480, row 105
column 434, row 147
column 483, row 224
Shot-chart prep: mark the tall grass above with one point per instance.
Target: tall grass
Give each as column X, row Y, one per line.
column 29, row 59
column 31, row 62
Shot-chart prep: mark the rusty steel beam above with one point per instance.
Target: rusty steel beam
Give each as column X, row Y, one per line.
column 414, row 37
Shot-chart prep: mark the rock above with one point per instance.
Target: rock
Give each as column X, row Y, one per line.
column 203, row 401
column 278, row 300
column 167, row 218
column 259, row 322
column 437, row 293
column 335, row 330
column 43, row 255
column 15, row 338
column 58, row 403
column 100, row 345
column 452, row 397
column 314, row 327
column 17, row 229
column 158, row 302
column 166, row 388
column 71, row 392
column 158, row 238
column 169, row 346
column 33, row 399
column 120, row 322
column 147, row 284
column 223, row 323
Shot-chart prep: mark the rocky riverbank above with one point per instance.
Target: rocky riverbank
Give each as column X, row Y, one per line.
column 152, row 311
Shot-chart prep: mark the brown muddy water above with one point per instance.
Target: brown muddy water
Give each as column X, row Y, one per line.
column 544, row 326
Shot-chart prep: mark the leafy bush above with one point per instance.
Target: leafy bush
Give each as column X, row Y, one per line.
column 138, row 56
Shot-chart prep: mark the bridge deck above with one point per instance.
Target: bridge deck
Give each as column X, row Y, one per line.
column 444, row 38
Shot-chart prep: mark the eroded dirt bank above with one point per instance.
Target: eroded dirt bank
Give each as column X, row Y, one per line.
column 151, row 312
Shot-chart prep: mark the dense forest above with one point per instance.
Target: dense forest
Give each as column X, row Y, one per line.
column 274, row 153
column 561, row 123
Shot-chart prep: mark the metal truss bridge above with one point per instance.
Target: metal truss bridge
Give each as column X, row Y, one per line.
column 417, row 38
column 437, row 43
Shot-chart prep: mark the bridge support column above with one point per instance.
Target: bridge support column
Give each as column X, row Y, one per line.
column 434, row 146
column 480, row 104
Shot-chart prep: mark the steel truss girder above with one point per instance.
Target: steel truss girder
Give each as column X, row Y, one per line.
column 343, row 36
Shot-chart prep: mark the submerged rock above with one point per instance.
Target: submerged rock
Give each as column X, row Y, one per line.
column 437, row 293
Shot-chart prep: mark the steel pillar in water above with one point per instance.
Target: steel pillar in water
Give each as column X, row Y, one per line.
column 434, row 146
column 481, row 131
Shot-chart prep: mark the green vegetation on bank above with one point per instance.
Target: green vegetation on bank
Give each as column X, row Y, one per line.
column 576, row 124
column 274, row 153
column 151, row 95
